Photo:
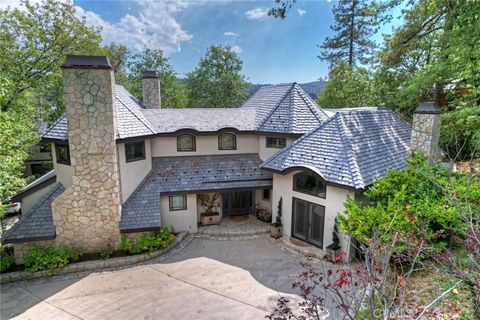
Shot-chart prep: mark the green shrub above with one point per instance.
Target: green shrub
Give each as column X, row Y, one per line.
column 40, row 258
column 149, row 242
column 6, row 261
column 106, row 253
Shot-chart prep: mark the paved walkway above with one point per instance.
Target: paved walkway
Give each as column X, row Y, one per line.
column 206, row 280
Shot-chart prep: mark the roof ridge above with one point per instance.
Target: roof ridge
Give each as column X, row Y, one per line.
column 53, row 124
column 319, row 108
column 30, row 212
column 277, row 106
column 148, row 124
column 352, row 160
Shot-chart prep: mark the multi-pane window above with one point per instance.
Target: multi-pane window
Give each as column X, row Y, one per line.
column 310, row 184
column 186, row 142
column 266, row 194
column 135, row 151
column 178, row 202
column 227, row 141
column 273, row 142
column 63, row 154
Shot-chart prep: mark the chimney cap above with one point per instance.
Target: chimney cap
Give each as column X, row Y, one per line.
column 86, row 62
column 428, row 107
column 150, row 75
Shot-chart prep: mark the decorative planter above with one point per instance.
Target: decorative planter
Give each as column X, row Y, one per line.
column 333, row 255
column 276, row 231
column 210, row 219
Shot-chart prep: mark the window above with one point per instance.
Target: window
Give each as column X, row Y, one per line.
column 266, row 194
column 135, row 151
column 310, row 184
column 45, row 148
column 178, row 202
column 227, row 141
column 63, row 154
column 186, row 142
column 278, row 143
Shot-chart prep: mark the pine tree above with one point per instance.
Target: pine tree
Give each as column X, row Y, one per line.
column 355, row 23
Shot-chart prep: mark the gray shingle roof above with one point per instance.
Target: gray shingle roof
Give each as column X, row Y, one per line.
column 37, row 224
column 285, row 108
column 201, row 119
column 190, row 175
column 352, row 148
column 58, row 130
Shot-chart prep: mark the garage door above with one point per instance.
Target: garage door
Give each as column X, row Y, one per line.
column 308, row 221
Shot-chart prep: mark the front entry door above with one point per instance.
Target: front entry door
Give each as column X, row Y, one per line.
column 237, row 203
column 308, row 222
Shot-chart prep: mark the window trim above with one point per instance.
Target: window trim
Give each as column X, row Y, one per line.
column 138, row 158
column 179, row 149
column 276, row 146
column 170, row 202
column 229, row 135
column 321, row 196
column 64, row 162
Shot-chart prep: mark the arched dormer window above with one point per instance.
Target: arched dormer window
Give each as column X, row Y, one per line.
column 186, row 142
column 309, row 184
column 227, row 141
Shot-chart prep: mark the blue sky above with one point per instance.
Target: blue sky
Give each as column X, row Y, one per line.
column 273, row 50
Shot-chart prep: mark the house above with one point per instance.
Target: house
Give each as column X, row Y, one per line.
column 124, row 168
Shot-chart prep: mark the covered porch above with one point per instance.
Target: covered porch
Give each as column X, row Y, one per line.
column 235, row 227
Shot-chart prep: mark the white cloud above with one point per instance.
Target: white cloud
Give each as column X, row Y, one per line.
column 236, row 49
column 153, row 27
column 257, row 13
column 301, row 12
column 230, row 34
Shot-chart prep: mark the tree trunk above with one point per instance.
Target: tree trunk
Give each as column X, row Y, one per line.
column 352, row 34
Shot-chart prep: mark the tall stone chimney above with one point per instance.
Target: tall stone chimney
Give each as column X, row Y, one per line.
column 88, row 213
column 151, row 90
column 426, row 130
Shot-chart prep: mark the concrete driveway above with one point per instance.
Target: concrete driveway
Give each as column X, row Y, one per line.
column 206, row 280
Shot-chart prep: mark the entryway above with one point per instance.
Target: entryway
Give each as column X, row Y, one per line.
column 308, row 221
column 238, row 203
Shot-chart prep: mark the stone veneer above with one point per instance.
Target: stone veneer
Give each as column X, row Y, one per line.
column 87, row 214
column 426, row 133
column 151, row 90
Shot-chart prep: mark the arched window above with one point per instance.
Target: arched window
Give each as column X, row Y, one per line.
column 310, row 184
column 227, row 141
column 186, row 142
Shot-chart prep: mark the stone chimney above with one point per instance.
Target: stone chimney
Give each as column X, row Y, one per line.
column 88, row 213
column 426, row 130
column 151, row 90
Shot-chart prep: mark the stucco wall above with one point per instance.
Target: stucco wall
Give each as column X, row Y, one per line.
column 201, row 209
column 64, row 172
column 180, row 220
column 265, row 152
column 335, row 197
column 132, row 173
column 263, row 203
column 32, row 199
column 206, row 145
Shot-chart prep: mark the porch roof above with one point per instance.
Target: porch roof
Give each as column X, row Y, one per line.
column 191, row 174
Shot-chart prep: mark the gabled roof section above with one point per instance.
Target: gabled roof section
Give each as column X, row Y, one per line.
column 285, row 108
column 352, row 148
column 36, row 224
column 58, row 130
column 40, row 183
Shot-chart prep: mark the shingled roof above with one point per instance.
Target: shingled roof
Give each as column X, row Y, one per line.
column 36, row 224
column 190, row 174
column 352, row 148
column 285, row 108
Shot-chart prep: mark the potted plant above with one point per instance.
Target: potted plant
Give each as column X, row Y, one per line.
column 276, row 228
column 211, row 204
column 334, row 250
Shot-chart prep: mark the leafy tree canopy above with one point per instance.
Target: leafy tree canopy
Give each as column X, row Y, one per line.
column 217, row 82
column 35, row 41
column 413, row 201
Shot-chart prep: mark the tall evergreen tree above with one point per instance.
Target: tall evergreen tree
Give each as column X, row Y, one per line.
column 217, row 81
column 355, row 23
